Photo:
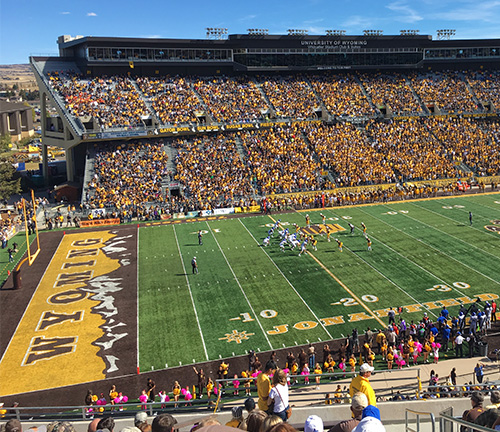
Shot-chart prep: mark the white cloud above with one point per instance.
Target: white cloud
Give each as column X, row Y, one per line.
column 247, row 18
column 65, row 13
column 91, row 14
column 486, row 11
column 356, row 21
column 408, row 15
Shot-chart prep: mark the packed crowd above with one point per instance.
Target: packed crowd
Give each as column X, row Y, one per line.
column 110, row 101
column 486, row 86
column 412, row 150
column 346, row 151
column 127, row 175
column 212, row 170
column 342, row 95
column 477, row 145
column 391, row 91
column 291, row 97
column 232, row 99
column 445, row 89
column 172, row 99
column 281, row 160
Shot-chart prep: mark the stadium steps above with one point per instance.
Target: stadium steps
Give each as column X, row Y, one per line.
column 146, row 101
column 272, row 111
column 203, row 104
column 472, row 92
column 243, row 157
column 378, row 114
column 417, row 97
column 89, row 172
column 325, row 113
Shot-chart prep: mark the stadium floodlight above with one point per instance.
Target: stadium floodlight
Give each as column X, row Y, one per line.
column 409, row 32
column 445, row 33
column 258, row 32
column 335, row 32
column 297, row 32
column 216, row 32
column 373, row 32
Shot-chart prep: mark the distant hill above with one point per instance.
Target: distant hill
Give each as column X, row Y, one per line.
column 20, row 74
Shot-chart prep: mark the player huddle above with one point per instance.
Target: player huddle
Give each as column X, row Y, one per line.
column 303, row 241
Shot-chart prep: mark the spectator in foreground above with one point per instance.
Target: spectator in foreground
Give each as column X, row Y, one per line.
column 106, row 423
column 370, row 421
column 13, row 425
column 255, row 420
column 237, row 413
column 494, row 399
column 488, row 418
column 269, row 422
column 141, row 421
column 313, row 424
column 471, row 415
column 358, row 404
column 163, row 423
column 361, row 383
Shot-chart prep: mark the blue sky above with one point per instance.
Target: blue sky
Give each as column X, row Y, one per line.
column 29, row 27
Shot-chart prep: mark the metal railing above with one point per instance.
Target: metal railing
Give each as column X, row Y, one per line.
column 447, row 423
column 418, row 414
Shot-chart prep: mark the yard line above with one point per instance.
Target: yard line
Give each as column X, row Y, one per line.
column 241, row 288
column 289, row 283
column 454, row 220
column 450, row 235
column 190, row 294
column 440, row 252
column 390, row 280
column 354, row 296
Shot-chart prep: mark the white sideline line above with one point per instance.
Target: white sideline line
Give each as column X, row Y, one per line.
column 451, row 235
column 289, row 283
column 190, row 294
column 430, row 246
column 31, row 299
column 241, row 288
column 137, row 301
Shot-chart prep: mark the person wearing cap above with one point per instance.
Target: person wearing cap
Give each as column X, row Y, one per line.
column 361, row 384
column 194, row 265
column 476, row 400
column 458, row 342
column 358, row 404
column 494, row 399
column 313, row 424
column 264, row 385
column 370, row 421
column 237, row 413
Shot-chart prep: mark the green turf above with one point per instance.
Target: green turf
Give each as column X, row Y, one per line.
column 5, row 265
column 424, row 255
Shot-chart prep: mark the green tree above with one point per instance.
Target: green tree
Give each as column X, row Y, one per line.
column 9, row 185
column 5, row 141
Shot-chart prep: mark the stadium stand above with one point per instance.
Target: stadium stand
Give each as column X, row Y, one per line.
column 172, row 99
column 342, row 95
column 232, row 99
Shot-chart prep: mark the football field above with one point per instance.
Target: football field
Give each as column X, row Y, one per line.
column 425, row 255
